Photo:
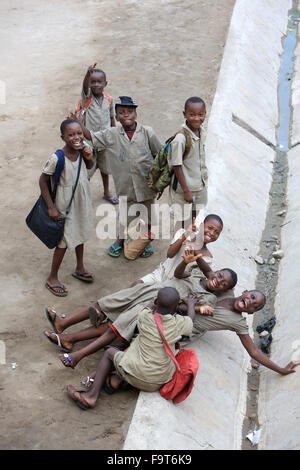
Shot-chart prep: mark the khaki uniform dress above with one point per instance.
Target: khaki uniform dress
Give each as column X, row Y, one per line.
column 223, row 319
column 98, row 117
column 145, row 364
column 195, row 173
column 79, row 222
column 130, row 161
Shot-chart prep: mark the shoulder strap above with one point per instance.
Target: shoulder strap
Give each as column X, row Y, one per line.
column 108, row 99
column 167, row 347
column 60, row 165
column 188, row 141
column 76, row 182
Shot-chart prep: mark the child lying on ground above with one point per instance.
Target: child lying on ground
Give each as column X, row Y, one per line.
column 145, row 364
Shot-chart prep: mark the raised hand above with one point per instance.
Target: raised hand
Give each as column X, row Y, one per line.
column 189, row 256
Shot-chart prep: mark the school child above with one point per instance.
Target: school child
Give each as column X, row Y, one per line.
column 78, row 224
column 117, row 313
column 188, row 186
column 130, row 148
column 97, row 112
column 197, row 237
column 145, row 364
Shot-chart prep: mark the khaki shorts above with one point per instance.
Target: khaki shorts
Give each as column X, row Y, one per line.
column 100, row 161
column 182, row 210
column 134, row 381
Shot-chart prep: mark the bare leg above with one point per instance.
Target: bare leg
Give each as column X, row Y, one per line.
column 105, row 180
column 89, row 398
column 60, row 324
column 91, row 348
column 80, row 268
column 52, row 279
column 68, row 340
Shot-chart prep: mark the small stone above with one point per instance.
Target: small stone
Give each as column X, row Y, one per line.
column 272, row 261
column 254, row 365
column 252, row 416
column 259, row 260
column 281, row 213
column 253, row 388
column 278, row 254
column 264, row 333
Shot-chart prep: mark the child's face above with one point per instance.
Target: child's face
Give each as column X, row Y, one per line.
column 249, row 302
column 195, row 114
column 211, row 231
column 97, row 83
column 73, row 136
column 220, row 282
column 126, row 115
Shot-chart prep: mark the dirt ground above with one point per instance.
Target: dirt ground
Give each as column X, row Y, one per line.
column 158, row 51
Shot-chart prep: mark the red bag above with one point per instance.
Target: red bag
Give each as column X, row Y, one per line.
column 186, row 362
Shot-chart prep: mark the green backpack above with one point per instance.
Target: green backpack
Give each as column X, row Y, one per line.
column 159, row 177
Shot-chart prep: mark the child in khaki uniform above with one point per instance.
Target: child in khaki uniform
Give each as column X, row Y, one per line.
column 98, row 114
column 187, row 191
column 130, row 148
column 145, row 364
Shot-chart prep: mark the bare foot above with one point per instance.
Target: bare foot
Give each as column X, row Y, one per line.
column 68, row 360
column 80, row 398
column 54, row 320
column 59, row 340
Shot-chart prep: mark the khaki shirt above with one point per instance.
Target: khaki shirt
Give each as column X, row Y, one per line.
column 193, row 166
column 129, row 160
column 146, row 357
column 223, row 319
column 97, row 117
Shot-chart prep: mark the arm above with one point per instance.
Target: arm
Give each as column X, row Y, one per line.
column 263, row 359
column 189, row 257
column 204, row 267
column 86, row 80
column 188, row 196
column 43, row 182
column 175, row 247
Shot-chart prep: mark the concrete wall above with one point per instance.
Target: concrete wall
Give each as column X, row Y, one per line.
column 279, row 404
column 240, row 171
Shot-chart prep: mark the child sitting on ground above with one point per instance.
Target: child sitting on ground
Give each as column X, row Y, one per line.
column 187, row 191
column 79, row 223
column 130, row 148
column 97, row 112
column 145, row 364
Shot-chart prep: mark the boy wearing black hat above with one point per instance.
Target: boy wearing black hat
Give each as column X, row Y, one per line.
column 130, row 148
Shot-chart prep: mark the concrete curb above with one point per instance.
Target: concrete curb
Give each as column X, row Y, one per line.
column 240, row 173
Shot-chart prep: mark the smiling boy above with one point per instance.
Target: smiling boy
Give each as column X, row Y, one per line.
column 97, row 114
column 187, row 192
column 130, row 148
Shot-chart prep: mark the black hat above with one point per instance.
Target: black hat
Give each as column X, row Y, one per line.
column 126, row 101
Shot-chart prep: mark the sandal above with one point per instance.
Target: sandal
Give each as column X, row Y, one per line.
column 112, row 199
column 51, row 320
column 70, row 361
column 79, row 400
column 87, row 382
column 85, row 276
column 108, row 388
column 54, row 290
column 94, row 316
column 58, row 341
column 116, row 251
column 147, row 252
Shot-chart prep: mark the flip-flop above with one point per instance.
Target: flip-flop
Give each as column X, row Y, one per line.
column 70, row 361
column 87, row 382
column 112, row 199
column 86, row 277
column 54, row 292
column 51, row 320
column 78, row 401
column 147, row 252
column 58, row 341
column 117, row 251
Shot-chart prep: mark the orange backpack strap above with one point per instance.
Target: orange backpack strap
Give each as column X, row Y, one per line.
column 108, row 99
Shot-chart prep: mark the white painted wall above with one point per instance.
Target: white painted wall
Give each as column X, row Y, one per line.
column 240, row 168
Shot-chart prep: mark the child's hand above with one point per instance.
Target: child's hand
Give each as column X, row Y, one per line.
column 190, row 256
column 188, row 196
column 72, row 115
column 53, row 213
column 206, row 310
column 91, row 68
column 87, row 153
column 290, row 368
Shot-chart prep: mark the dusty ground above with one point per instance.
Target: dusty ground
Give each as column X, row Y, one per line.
column 158, row 51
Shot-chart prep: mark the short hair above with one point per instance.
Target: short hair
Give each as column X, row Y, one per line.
column 100, row 71
column 167, row 296
column 263, row 296
column 193, row 99
column 66, row 123
column 233, row 276
column 214, row 217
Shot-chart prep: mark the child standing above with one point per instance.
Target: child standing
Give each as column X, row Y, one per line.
column 130, row 148
column 98, row 114
column 78, row 223
column 187, row 192
column 145, row 364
